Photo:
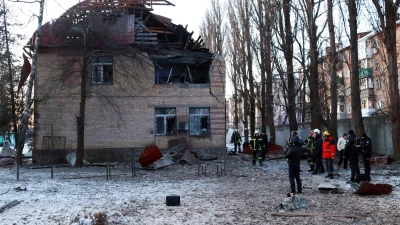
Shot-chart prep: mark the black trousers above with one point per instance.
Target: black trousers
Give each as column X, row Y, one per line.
column 264, row 153
column 342, row 159
column 237, row 145
column 367, row 164
column 311, row 159
column 294, row 174
column 319, row 167
column 355, row 170
column 257, row 154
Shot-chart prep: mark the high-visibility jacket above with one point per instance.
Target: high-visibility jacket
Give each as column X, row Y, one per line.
column 328, row 148
column 310, row 143
column 236, row 138
column 256, row 143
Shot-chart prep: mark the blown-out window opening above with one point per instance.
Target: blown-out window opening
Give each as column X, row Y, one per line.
column 199, row 121
column 165, row 121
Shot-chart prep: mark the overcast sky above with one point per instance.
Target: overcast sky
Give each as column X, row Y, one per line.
column 185, row 12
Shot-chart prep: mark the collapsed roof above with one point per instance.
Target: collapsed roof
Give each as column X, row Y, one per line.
column 122, row 23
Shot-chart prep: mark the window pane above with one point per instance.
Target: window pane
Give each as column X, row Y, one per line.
column 165, row 121
column 102, row 70
column 108, row 74
column 96, row 74
column 199, row 121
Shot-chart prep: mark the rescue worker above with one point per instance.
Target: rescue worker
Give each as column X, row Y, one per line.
column 365, row 146
column 328, row 153
column 351, row 152
column 309, row 142
column 256, row 147
column 319, row 167
column 264, row 137
column 236, row 139
column 293, row 159
column 340, row 147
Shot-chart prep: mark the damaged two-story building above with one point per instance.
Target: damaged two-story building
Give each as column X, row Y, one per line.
column 143, row 81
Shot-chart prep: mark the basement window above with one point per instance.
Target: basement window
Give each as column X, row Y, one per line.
column 102, row 70
column 172, row 74
column 165, row 121
column 199, row 121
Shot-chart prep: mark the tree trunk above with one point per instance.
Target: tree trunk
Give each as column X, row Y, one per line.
column 332, row 70
column 28, row 99
column 249, row 62
column 313, row 81
column 355, row 81
column 270, row 96
column 80, row 119
column 11, row 81
column 389, row 27
column 288, row 54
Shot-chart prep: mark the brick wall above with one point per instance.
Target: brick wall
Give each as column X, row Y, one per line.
column 122, row 114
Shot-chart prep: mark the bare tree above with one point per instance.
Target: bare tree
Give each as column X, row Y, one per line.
column 28, row 99
column 332, row 70
column 387, row 15
column 312, row 8
column 355, row 82
column 264, row 19
column 211, row 28
column 287, row 38
column 6, row 37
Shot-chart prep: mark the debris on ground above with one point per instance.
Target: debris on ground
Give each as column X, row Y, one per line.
column 328, row 188
column 291, row 203
column 366, row 188
column 8, row 205
column 319, row 215
column 20, row 189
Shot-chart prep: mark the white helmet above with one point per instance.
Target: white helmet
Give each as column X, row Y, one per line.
column 317, row 131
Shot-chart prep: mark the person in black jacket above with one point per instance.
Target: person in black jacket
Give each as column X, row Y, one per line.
column 293, row 158
column 319, row 167
column 256, row 147
column 236, row 139
column 264, row 137
column 351, row 152
column 309, row 142
column 365, row 146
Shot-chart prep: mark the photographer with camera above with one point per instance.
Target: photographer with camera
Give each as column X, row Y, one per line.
column 365, row 146
column 351, row 152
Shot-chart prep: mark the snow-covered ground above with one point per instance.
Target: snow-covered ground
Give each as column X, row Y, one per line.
column 246, row 195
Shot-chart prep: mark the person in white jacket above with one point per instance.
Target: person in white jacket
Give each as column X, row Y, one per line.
column 340, row 147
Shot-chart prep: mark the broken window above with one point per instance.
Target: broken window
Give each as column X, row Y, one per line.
column 171, row 74
column 165, row 121
column 199, row 121
column 102, row 70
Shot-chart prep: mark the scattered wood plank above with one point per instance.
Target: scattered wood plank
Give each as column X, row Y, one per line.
column 10, row 204
column 322, row 215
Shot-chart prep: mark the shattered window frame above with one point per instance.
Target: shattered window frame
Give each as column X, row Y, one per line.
column 180, row 73
column 102, row 70
column 199, row 121
column 165, row 121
